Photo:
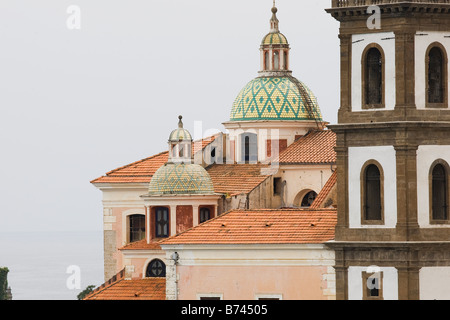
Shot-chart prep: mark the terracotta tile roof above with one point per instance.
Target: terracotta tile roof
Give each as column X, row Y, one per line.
column 142, row 171
column 138, row 289
column 139, row 171
column 317, row 147
column 324, row 193
column 236, row 179
column 142, row 245
column 281, row 226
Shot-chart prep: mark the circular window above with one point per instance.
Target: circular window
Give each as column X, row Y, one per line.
column 156, row 269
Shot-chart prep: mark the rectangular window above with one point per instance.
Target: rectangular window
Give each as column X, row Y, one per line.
column 372, row 285
column 162, row 222
column 137, row 227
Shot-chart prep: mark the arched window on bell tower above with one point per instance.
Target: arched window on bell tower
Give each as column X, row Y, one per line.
column 437, row 78
column 372, row 193
column 439, row 192
column 373, row 77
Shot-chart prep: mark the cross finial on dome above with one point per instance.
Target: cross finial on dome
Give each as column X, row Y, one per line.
column 180, row 123
column 274, row 21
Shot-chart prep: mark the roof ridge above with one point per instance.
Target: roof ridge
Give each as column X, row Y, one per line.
column 136, row 162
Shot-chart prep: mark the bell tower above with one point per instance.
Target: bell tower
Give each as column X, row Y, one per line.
column 393, row 150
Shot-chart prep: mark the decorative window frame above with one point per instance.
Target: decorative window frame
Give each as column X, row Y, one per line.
column 365, row 277
column 428, row 104
column 364, row 221
column 364, row 105
column 148, row 266
column 430, row 188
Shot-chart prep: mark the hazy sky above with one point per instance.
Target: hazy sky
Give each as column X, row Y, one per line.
column 76, row 104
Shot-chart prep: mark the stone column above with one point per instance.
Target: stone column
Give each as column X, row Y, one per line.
column 195, row 215
column 408, row 283
column 346, row 73
column 406, row 166
column 173, row 220
column 171, row 279
column 405, row 69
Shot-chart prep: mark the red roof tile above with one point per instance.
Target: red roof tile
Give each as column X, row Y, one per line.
column 236, row 179
column 281, row 226
column 324, row 193
column 140, row 289
column 142, row 245
column 142, row 171
column 317, row 147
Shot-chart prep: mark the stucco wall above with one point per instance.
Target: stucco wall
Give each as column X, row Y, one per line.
column 247, row 282
column 423, row 40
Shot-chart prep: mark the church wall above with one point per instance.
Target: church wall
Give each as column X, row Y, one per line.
column 434, row 283
column 423, row 40
column 245, row 272
column 356, row 282
column 358, row 157
column 426, row 156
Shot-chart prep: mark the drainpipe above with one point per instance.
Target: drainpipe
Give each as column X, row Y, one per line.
column 175, row 257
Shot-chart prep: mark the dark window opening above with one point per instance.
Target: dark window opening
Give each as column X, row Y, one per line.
column 162, row 222
column 276, row 186
column 137, row 227
column 209, row 298
column 249, row 147
column 372, row 196
column 205, row 214
column 435, row 76
column 267, row 60
column 439, row 193
column 156, row 269
column 374, row 77
column 308, row 199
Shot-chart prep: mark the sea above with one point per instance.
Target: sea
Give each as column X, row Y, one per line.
column 52, row 265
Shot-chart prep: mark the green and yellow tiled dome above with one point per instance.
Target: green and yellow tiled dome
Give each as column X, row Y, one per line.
column 181, row 178
column 274, row 38
column 179, row 135
column 275, row 98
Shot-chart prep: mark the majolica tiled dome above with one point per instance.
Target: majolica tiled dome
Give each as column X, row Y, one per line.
column 274, row 38
column 180, row 133
column 275, row 98
column 181, row 178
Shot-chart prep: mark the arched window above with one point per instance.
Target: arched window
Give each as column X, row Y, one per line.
column 205, row 214
column 161, row 222
column 372, row 194
column 276, row 60
column 136, row 224
column 439, row 193
column 373, row 78
column 249, row 148
column 286, row 62
column 436, row 76
column 308, row 199
column 156, row 269
column 267, row 60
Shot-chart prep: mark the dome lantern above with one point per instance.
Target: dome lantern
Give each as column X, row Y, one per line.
column 180, row 144
column 274, row 49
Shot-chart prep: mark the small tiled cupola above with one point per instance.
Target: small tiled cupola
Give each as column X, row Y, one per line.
column 180, row 144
